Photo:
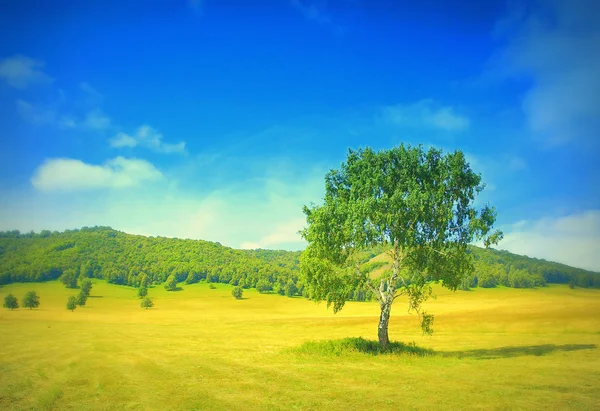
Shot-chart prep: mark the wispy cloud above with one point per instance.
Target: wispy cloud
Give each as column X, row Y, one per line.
column 64, row 174
column 21, row 71
column 146, row 136
column 572, row 239
column 36, row 114
column 96, row 120
column 426, row 114
column 555, row 44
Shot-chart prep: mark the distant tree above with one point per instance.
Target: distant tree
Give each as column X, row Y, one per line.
column 142, row 291
column 263, row 286
column 81, row 298
column 30, row 300
column 86, row 286
column 10, row 302
column 72, row 303
column 237, row 292
column 69, row 278
column 147, row 303
column 171, row 283
column 290, row 289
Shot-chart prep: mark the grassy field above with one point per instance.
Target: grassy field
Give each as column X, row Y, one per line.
column 497, row 349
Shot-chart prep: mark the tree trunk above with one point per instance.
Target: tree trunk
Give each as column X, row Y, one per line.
column 382, row 330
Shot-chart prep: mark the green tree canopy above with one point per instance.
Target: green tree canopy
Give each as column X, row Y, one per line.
column 237, row 292
column 72, row 303
column 147, row 303
column 31, row 300
column 142, row 291
column 418, row 204
column 10, row 302
column 86, row 286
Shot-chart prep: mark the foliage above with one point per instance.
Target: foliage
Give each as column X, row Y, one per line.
column 419, row 204
column 119, row 258
column 86, row 286
column 30, row 300
column 171, row 283
column 81, row 298
column 72, row 303
column 142, row 291
column 10, row 302
column 69, row 278
column 263, row 286
column 290, row 289
column 147, row 303
column 237, row 292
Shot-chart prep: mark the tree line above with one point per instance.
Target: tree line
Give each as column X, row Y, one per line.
column 139, row 261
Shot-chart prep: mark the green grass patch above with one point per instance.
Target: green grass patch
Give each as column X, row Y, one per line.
column 359, row 345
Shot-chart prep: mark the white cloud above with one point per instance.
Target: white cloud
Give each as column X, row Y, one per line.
column 555, row 44
column 146, row 136
column 426, row 113
column 572, row 239
column 21, row 71
column 66, row 174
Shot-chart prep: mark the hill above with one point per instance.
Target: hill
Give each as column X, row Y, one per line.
column 126, row 259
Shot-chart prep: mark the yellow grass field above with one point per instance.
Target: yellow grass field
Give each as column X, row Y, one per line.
column 198, row 348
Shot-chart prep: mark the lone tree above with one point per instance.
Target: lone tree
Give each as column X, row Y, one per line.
column 418, row 204
column 147, row 303
column 237, row 292
column 72, row 303
column 30, row 300
column 10, row 302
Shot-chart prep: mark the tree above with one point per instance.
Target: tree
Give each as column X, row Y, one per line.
column 81, row 298
column 142, row 291
column 86, row 286
column 10, row 302
column 72, row 303
column 147, row 303
column 290, row 288
column 69, row 278
column 263, row 286
column 31, row 300
column 171, row 283
column 237, row 292
column 418, row 205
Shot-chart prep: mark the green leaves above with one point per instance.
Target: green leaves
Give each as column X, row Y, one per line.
column 417, row 202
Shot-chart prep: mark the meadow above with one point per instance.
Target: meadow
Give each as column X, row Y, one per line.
column 199, row 348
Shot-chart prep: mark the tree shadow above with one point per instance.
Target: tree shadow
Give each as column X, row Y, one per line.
column 95, row 296
column 371, row 347
column 516, row 351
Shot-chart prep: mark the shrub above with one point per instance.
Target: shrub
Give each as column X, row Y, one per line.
column 86, row 286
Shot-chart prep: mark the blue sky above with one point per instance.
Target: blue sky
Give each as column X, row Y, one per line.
column 217, row 120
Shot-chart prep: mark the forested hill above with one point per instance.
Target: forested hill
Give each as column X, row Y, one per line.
column 121, row 258
column 127, row 259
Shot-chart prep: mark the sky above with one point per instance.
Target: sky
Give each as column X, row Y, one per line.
column 218, row 119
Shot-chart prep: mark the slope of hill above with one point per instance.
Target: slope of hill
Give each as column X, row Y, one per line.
column 121, row 258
